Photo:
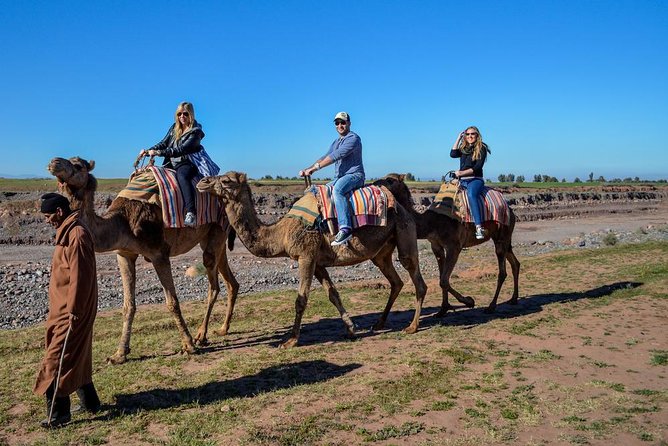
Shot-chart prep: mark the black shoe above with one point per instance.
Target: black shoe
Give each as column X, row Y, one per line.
column 56, row 421
column 90, row 402
column 61, row 411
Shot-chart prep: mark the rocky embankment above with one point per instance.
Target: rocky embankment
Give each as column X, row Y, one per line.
column 26, row 242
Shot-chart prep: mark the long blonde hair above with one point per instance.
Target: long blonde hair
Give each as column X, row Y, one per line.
column 478, row 145
column 178, row 129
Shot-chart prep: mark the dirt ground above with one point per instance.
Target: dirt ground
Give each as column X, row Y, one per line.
column 570, row 367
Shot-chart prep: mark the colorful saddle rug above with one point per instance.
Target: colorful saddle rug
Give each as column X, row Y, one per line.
column 369, row 206
column 451, row 200
column 158, row 185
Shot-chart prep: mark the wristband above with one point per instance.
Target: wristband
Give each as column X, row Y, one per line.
column 317, row 166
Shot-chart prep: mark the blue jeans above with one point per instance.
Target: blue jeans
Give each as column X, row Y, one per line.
column 473, row 188
column 342, row 188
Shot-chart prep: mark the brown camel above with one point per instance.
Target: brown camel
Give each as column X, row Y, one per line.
column 311, row 248
column 133, row 228
column 450, row 235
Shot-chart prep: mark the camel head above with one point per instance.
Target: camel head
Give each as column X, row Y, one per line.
column 227, row 186
column 394, row 182
column 73, row 175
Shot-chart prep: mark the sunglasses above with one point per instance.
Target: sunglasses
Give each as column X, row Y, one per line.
column 183, row 114
column 471, row 134
column 337, row 123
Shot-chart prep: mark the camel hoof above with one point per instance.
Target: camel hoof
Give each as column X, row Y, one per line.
column 190, row 350
column 116, row 359
column 201, row 342
column 378, row 326
column 468, row 301
column 222, row 331
column 444, row 311
column 490, row 310
column 410, row 329
column 512, row 301
column 289, row 343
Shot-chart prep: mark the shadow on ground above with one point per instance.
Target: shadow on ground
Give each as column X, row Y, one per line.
column 267, row 380
column 332, row 330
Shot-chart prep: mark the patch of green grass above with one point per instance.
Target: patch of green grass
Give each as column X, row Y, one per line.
column 659, row 357
column 405, row 430
column 646, row 392
column 610, row 239
column 525, row 327
column 443, row 405
column 463, row 355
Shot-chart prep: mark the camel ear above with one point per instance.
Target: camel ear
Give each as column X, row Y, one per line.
column 91, row 163
column 242, row 177
column 402, row 177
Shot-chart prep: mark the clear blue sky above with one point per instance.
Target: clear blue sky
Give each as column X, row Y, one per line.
column 562, row 88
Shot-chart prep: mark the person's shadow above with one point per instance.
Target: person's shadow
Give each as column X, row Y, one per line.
column 267, row 380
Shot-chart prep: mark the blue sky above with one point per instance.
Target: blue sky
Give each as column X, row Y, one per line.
column 562, row 88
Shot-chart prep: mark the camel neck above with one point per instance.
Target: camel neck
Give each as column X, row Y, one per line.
column 260, row 239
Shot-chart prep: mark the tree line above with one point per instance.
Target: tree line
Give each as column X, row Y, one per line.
column 542, row 178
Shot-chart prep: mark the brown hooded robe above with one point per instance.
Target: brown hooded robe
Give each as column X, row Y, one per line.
column 72, row 296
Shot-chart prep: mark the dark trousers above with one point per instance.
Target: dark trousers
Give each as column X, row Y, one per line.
column 185, row 172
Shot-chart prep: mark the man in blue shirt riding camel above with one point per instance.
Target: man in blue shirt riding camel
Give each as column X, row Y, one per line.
column 346, row 152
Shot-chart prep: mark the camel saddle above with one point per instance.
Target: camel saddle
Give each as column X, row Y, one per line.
column 158, row 185
column 369, row 205
column 452, row 201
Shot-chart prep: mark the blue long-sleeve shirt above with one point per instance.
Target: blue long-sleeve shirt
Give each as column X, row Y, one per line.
column 346, row 152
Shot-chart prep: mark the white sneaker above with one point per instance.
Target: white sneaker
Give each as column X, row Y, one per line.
column 190, row 220
column 479, row 233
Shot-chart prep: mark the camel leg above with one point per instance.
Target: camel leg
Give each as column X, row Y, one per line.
column 163, row 267
column 408, row 256
column 306, row 271
column 384, row 262
column 501, row 259
column 515, row 268
column 209, row 260
column 127, row 265
column 451, row 257
column 232, row 292
column 323, row 277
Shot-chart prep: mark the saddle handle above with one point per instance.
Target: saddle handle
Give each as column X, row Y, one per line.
column 307, row 180
column 139, row 162
column 450, row 175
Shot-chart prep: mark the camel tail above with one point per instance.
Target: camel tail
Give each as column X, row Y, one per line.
column 230, row 239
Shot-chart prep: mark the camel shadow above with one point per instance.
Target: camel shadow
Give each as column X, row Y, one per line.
column 466, row 317
column 332, row 329
column 267, row 380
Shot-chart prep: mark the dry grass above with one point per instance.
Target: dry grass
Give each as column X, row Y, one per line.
column 581, row 360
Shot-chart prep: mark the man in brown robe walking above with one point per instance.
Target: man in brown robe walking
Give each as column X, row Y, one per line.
column 72, row 310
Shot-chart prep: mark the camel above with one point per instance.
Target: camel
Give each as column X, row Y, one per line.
column 450, row 235
column 311, row 248
column 133, row 228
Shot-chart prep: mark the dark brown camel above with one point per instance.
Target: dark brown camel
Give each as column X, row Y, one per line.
column 311, row 248
column 449, row 236
column 133, row 228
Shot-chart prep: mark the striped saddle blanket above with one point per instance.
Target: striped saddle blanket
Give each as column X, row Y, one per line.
column 368, row 204
column 451, row 200
column 158, row 185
